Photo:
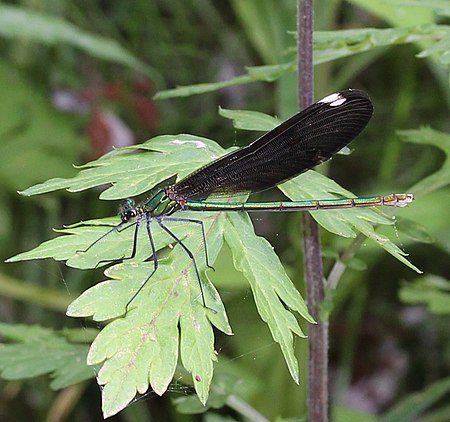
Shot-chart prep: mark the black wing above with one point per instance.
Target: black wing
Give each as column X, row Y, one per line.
column 307, row 139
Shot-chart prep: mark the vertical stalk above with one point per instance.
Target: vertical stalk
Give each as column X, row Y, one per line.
column 314, row 279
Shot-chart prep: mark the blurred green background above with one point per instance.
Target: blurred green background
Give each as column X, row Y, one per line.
column 78, row 78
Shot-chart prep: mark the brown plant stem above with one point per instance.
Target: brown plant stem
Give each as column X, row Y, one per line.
column 314, row 279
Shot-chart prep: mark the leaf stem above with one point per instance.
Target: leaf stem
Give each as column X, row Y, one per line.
column 21, row 290
column 340, row 266
column 244, row 409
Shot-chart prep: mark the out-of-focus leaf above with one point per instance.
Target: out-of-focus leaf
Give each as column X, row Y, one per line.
column 17, row 22
column 414, row 405
column 259, row 73
column 413, row 230
column 332, row 45
column 428, row 136
column 265, row 25
column 440, row 7
column 431, row 290
column 356, row 264
column 32, row 132
column 250, row 120
column 34, row 351
column 397, row 12
column 346, row 414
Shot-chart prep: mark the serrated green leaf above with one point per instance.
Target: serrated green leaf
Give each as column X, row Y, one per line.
column 142, row 347
column 197, row 349
column 418, row 17
column 272, row 289
column 171, row 299
column 250, row 120
column 35, row 351
column 345, row 222
column 132, row 174
column 70, row 247
column 333, row 45
column 139, row 348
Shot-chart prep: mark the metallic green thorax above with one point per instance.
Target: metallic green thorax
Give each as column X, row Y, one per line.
column 160, row 204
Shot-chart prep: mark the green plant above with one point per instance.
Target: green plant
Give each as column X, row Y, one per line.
column 115, row 168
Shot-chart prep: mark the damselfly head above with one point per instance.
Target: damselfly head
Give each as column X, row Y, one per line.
column 128, row 210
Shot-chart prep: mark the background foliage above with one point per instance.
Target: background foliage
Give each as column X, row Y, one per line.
column 78, row 77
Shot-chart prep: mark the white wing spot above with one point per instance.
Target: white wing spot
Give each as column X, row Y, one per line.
column 334, row 100
column 338, row 102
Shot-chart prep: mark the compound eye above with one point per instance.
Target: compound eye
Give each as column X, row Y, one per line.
column 128, row 215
